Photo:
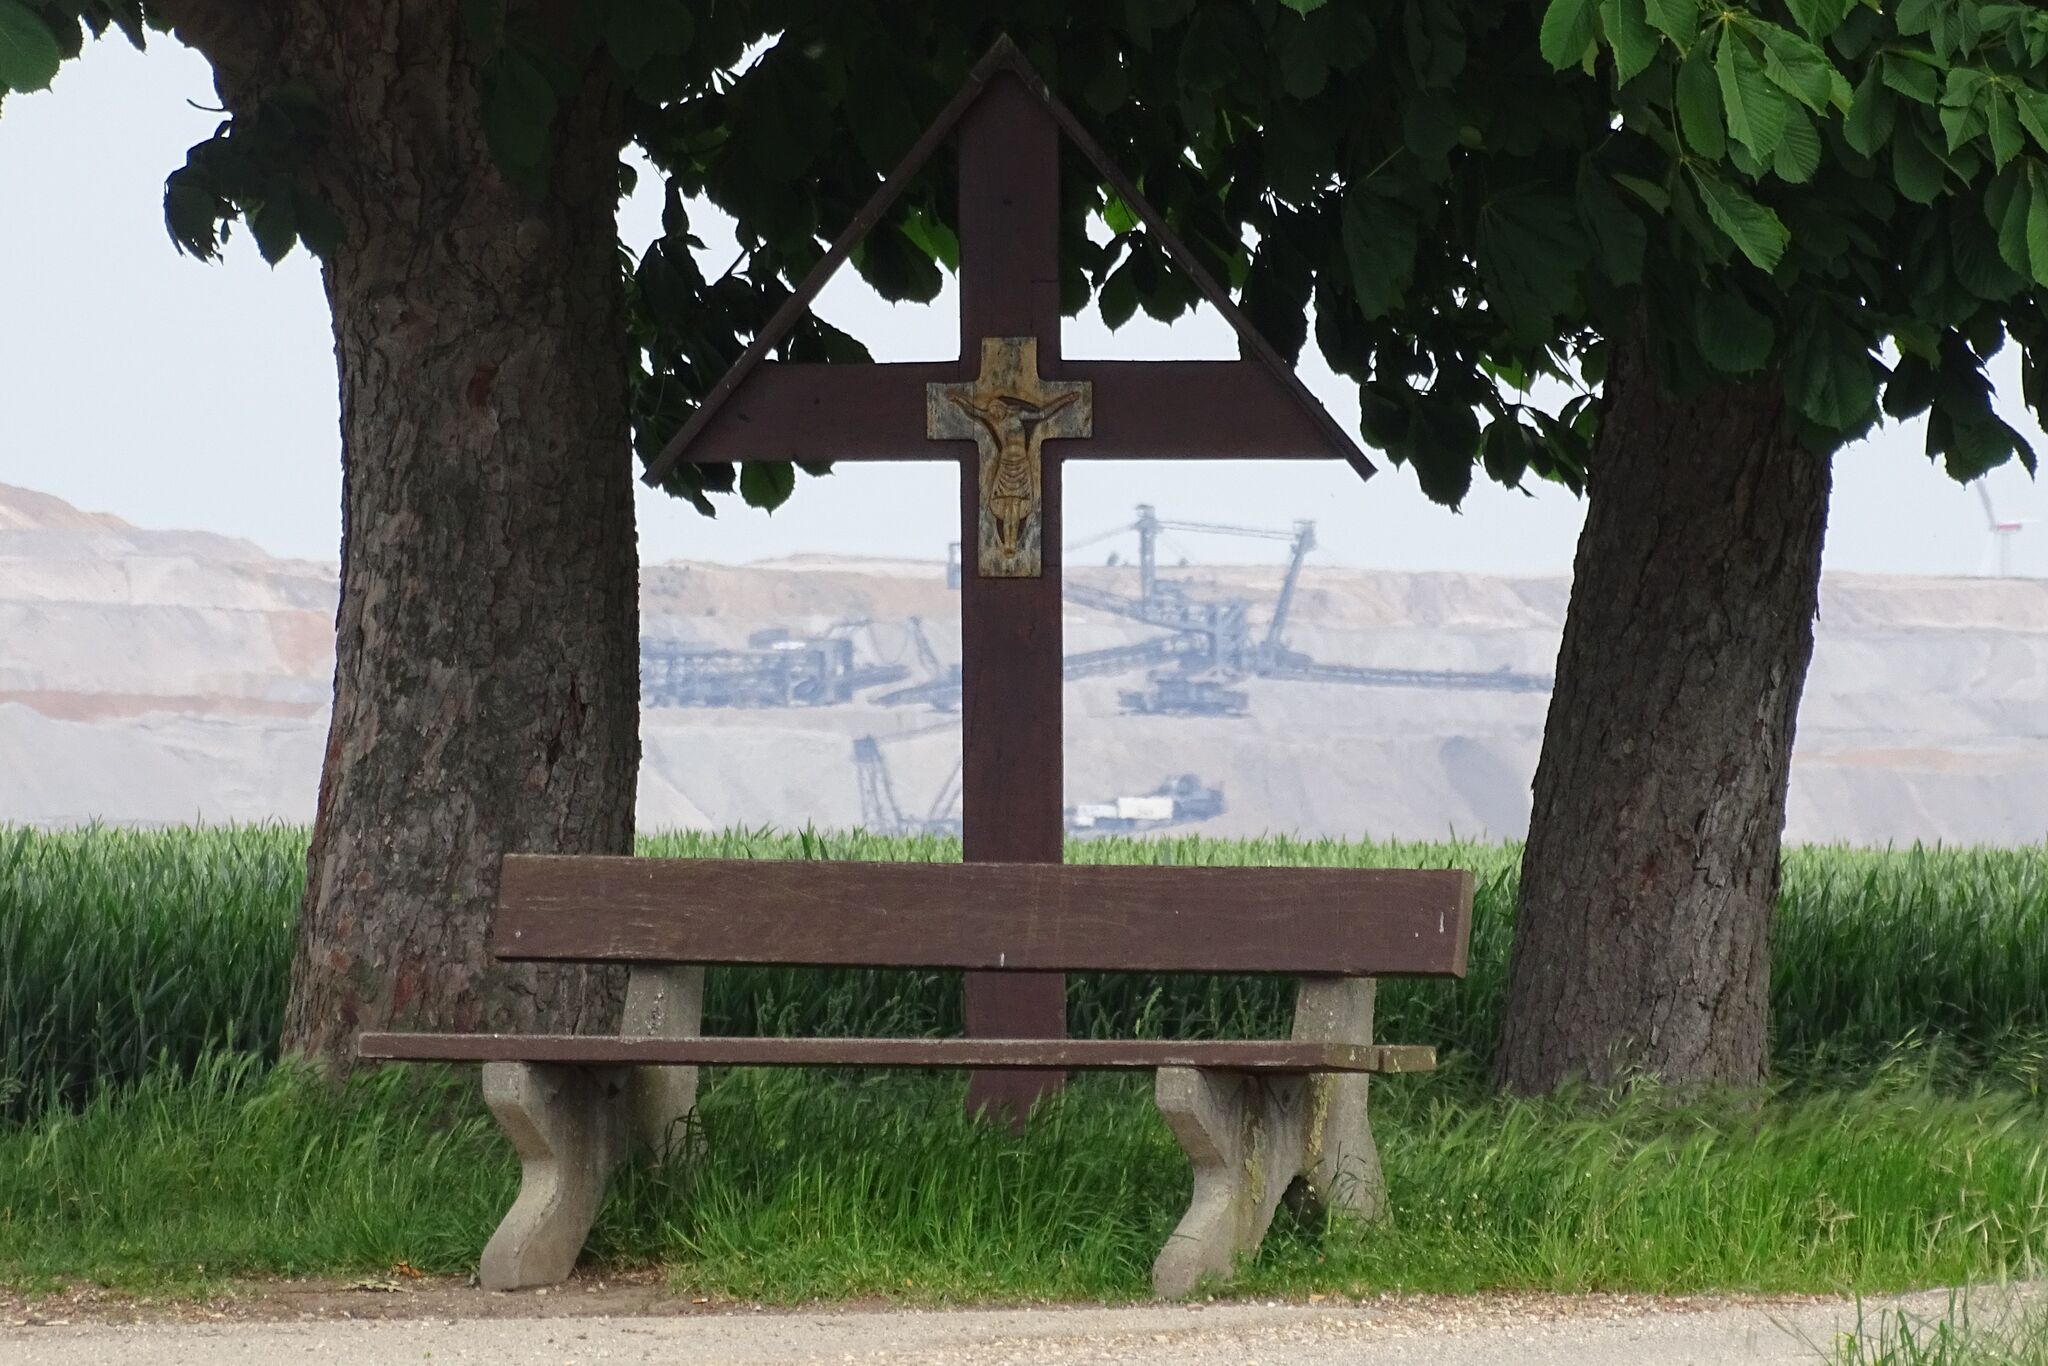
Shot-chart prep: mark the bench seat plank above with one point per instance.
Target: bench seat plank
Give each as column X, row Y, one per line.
column 1254, row 1055
column 1016, row 917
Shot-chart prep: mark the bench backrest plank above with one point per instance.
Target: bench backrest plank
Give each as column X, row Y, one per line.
column 1022, row 917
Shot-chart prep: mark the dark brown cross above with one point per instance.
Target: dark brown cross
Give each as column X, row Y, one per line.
column 1010, row 393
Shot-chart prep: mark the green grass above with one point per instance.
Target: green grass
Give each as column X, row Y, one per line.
column 1965, row 1334
column 148, row 1143
column 123, row 951
column 817, row 1185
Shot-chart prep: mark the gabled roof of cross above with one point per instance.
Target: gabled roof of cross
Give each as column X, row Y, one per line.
column 1006, row 57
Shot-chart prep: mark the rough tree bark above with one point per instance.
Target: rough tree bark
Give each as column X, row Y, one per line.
column 1642, row 943
column 486, row 677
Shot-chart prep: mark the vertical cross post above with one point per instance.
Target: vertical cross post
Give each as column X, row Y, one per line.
column 1010, row 627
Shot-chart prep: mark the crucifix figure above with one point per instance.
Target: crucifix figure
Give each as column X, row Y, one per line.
column 1008, row 411
column 1023, row 409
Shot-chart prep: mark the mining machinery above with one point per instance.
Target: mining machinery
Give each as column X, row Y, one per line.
column 1204, row 683
column 942, row 691
column 777, row 669
column 1181, row 800
column 880, row 811
column 1211, row 646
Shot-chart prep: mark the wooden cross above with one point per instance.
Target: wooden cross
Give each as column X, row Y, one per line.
column 1010, row 393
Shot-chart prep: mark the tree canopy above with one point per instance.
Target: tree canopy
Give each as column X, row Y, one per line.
column 1462, row 195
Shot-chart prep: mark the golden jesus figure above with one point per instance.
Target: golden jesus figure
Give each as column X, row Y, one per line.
column 1009, row 483
column 1009, row 412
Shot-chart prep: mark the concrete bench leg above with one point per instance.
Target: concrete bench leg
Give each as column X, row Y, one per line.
column 1342, row 1168
column 569, row 1125
column 1246, row 1139
column 663, row 1001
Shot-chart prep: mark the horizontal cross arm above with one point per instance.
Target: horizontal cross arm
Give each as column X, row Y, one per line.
column 1144, row 410
column 1015, row 917
column 796, row 410
column 1200, row 410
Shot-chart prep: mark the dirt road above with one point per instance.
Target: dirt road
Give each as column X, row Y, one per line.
column 1431, row 1331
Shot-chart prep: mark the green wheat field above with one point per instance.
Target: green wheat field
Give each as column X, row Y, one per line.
column 148, row 1140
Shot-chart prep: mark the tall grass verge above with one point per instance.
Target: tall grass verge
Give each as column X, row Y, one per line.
column 123, row 951
column 823, row 1185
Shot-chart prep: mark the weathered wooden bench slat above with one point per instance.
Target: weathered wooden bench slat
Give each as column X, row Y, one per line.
column 1379, row 922
column 1276, row 1056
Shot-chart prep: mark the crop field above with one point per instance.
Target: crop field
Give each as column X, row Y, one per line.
column 147, row 1139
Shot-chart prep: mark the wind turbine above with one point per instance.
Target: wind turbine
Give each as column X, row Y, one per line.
column 2002, row 533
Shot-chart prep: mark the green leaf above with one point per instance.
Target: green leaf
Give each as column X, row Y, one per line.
column 1796, row 66
column 1118, row 216
column 890, row 261
column 641, row 31
column 1304, row 66
column 1819, row 17
column 1304, row 6
column 1755, row 228
column 275, row 226
column 29, row 55
column 1678, row 20
column 1379, row 246
column 1443, row 438
column 1914, row 79
column 192, row 214
column 1429, row 125
column 1798, row 154
column 1619, row 234
column 685, row 480
column 1755, row 107
column 1118, row 298
column 320, row 227
column 1735, row 338
column 1916, row 167
column 1912, row 388
column 1508, row 449
column 1569, row 30
column 2003, row 125
column 518, row 112
column 1830, row 377
column 933, row 237
column 1872, row 115
column 1969, row 436
column 1436, row 40
column 2037, row 223
column 767, row 484
column 1213, row 50
column 1963, row 114
column 1634, row 42
column 1978, row 264
column 1530, row 253
column 1699, row 103
column 1917, row 16
column 2033, row 113
column 1649, row 191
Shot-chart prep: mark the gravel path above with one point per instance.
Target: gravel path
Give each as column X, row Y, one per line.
column 1586, row 1331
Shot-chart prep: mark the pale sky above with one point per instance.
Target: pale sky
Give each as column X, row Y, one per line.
column 138, row 382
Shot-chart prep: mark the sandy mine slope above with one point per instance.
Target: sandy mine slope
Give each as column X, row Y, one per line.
column 153, row 676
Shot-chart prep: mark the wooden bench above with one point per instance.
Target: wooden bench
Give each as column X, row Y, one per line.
column 1252, row 1115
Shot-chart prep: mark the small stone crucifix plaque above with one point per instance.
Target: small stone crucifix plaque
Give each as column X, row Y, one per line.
column 1010, row 409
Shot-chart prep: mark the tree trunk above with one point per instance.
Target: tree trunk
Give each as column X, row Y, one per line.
column 1642, row 943
column 486, row 672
